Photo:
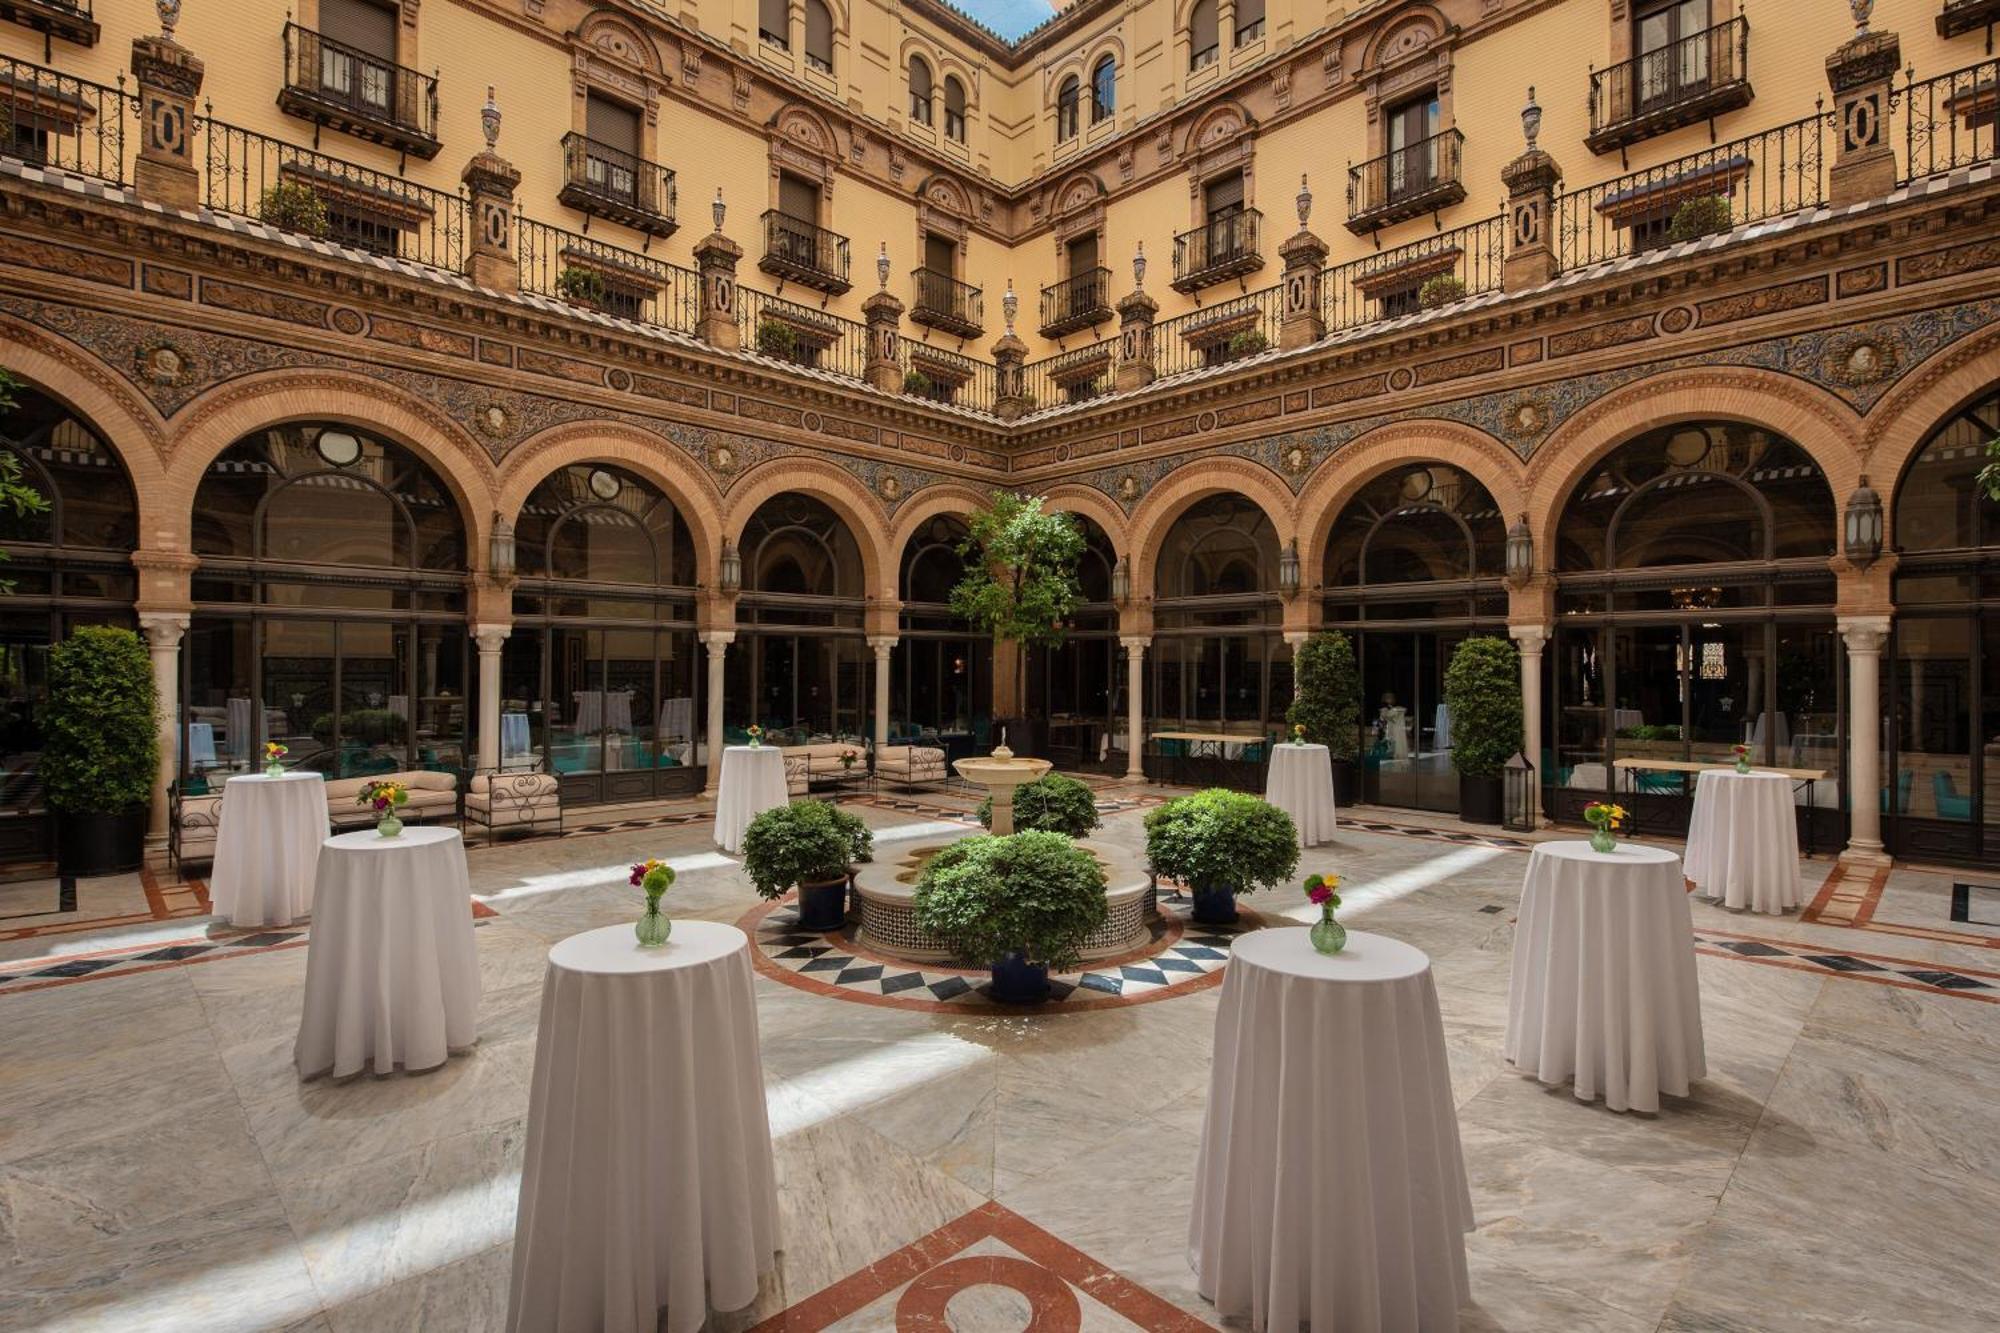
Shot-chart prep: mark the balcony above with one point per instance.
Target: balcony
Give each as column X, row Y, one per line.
column 608, row 182
column 67, row 19
column 940, row 301
column 1961, row 16
column 1696, row 78
column 1405, row 183
column 1078, row 302
column 797, row 251
column 1220, row 249
column 356, row 93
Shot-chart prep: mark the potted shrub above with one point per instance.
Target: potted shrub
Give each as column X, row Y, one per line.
column 1247, row 342
column 1326, row 701
column 1219, row 844
column 100, row 750
column 1051, row 803
column 1021, row 905
column 919, row 385
column 1482, row 687
column 581, row 285
column 1440, row 290
column 294, row 207
column 777, row 339
column 810, row 845
column 1703, row 215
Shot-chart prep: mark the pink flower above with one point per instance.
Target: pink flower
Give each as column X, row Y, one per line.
column 1319, row 893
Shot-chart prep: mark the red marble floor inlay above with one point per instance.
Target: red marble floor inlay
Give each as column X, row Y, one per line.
column 1049, row 1272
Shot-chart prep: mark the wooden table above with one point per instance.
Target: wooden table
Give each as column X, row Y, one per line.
column 1801, row 777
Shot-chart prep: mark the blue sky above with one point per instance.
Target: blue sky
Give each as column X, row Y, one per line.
column 1009, row 18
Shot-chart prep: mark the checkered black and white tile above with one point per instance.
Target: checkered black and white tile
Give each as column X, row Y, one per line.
column 1861, row 967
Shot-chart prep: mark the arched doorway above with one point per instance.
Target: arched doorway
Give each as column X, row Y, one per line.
column 1219, row 662
column 1076, row 685
column 941, row 673
column 1695, row 612
column 1943, row 739
column 599, row 680
column 799, row 665
column 1413, row 567
column 329, row 608
column 68, row 566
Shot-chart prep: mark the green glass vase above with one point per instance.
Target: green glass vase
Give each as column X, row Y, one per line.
column 655, row 926
column 1602, row 840
column 273, row 769
column 388, row 825
column 1328, row 935
column 1742, row 765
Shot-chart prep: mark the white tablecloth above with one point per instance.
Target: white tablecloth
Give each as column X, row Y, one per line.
column 1604, row 991
column 242, row 728
column 753, row 781
column 267, row 848
column 392, row 970
column 514, row 737
column 1330, row 1185
column 647, row 1178
column 1301, row 784
column 201, row 743
column 1743, row 840
column 603, row 710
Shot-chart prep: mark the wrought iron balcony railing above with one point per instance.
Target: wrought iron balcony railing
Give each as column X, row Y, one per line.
column 611, row 183
column 58, row 120
column 1220, row 249
column 942, row 302
column 337, row 86
column 1406, row 182
column 801, row 252
column 1696, row 78
column 1077, row 302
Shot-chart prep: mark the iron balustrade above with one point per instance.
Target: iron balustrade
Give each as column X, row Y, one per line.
column 1406, row 181
column 359, row 87
column 62, row 122
column 942, row 301
column 1682, row 76
column 1219, row 334
column 608, row 278
column 1392, row 283
column 804, row 252
column 1077, row 302
column 1220, row 248
column 799, row 334
column 1075, row 376
column 1949, row 121
column 295, row 189
column 946, row 377
column 1765, row 175
column 611, row 182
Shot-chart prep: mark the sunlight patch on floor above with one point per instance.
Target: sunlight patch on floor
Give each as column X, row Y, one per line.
column 1356, row 897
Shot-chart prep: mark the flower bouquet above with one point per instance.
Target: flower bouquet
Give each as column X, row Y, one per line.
column 653, row 877
column 273, row 754
column 756, row 735
column 1328, row 935
column 1298, row 733
column 847, row 758
column 1742, row 753
column 1603, row 817
column 384, row 797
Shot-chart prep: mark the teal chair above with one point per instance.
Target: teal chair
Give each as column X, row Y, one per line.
column 1905, row 780
column 1950, row 804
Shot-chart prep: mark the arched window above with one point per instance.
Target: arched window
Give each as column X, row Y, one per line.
column 1939, row 503
column 1222, row 546
column 1103, row 89
column 795, row 544
column 1425, row 522
column 932, row 565
column 91, row 504
column 800, row 666
column 954, row 109
column 774, row 23
column 1067, row 98
column 920, row 90
column 819, row 36
column 1203, row 38
column 595, row 523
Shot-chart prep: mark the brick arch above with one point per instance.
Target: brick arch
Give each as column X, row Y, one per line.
column 1183, row 488
column 1430, row 440
column 1899, row 424
column 107, row 400
column 1095, row 505
column 1821, row 424
column 641, row 452
column 225, row 414
column 918, row 509
column 843, row 493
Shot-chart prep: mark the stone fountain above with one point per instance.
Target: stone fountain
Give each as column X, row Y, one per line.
column 1000, row 773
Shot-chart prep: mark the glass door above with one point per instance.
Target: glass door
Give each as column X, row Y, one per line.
column 1406, row 744
column 1935, row 703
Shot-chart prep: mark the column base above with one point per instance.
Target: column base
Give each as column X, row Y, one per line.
column 1866, row 854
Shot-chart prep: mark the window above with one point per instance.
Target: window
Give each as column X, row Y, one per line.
column 1082, row 253
column 1400, row 301
column 1249, row 21
column 940, row 254
column 1066, row 108
column 819, row 36
column 774, row 23
column 1666, row 46
column 1412, row 146
column 358, row 51
column 1103, row 89
column 1203, row 35
column 610, row 166
column 954, row 109
column 920, row 91
column 798, row 198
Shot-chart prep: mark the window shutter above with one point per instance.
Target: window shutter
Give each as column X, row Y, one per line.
column 368, row 28
column 798, row 199
column 611, row 124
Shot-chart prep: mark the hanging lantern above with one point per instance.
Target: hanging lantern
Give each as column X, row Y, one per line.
column 1861, row 537
column 732, row 568
column 1121, row 582
column 500, row 548
column 1288, row 568
column 1520, row 552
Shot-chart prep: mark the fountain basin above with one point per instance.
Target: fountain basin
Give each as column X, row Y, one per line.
column 1000, row 773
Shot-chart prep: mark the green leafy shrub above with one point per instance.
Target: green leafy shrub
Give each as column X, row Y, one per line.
column 1247, row 342
column 582, row 285
column 777, row 339
column 919, row 385
column 1326, row 697
column 1051, row 803
column 1222, row 840
column 1704, row 215
column 294, row 207
column 1482, row 687
column 1440, row 290
column 101, row 750
column 808, row 842
column 1034, row 893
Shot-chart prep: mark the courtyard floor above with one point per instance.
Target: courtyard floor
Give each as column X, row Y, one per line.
column 161, row 1166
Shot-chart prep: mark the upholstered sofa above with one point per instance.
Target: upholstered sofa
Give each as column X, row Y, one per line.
column 514, row 801
column 808, row 764
column 909, row 765
column 433, row 798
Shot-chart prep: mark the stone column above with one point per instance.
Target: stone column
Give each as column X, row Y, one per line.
column 715, row 257
column 490, row 260
column 1864, row 636
column 883, row 646
column 1135, row 707
column 1303, row 320
column 1531, row 181
column 717, row 642
column 163, row 631
column 169, row 78
column 490, row 638
column 884, row 314
column 1531, row 640
column 1860, row 73
column 1135, row 341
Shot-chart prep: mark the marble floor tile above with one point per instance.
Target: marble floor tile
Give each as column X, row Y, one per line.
column 468, row 1295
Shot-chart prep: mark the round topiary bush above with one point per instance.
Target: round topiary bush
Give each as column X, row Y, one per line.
column 1482, row 687
column 807, row 842
column 1326, row 697
column 1219, row 844
column 1035, row 894
column 1051, row 803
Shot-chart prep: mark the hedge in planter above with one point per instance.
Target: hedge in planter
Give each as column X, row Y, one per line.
column 810, row 844
column 1221, row 843
column 101, row 748
column 1022, row 903
column 1703, row 215
column 1051, row 803
column 1326, row 696
column 1482, row 688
